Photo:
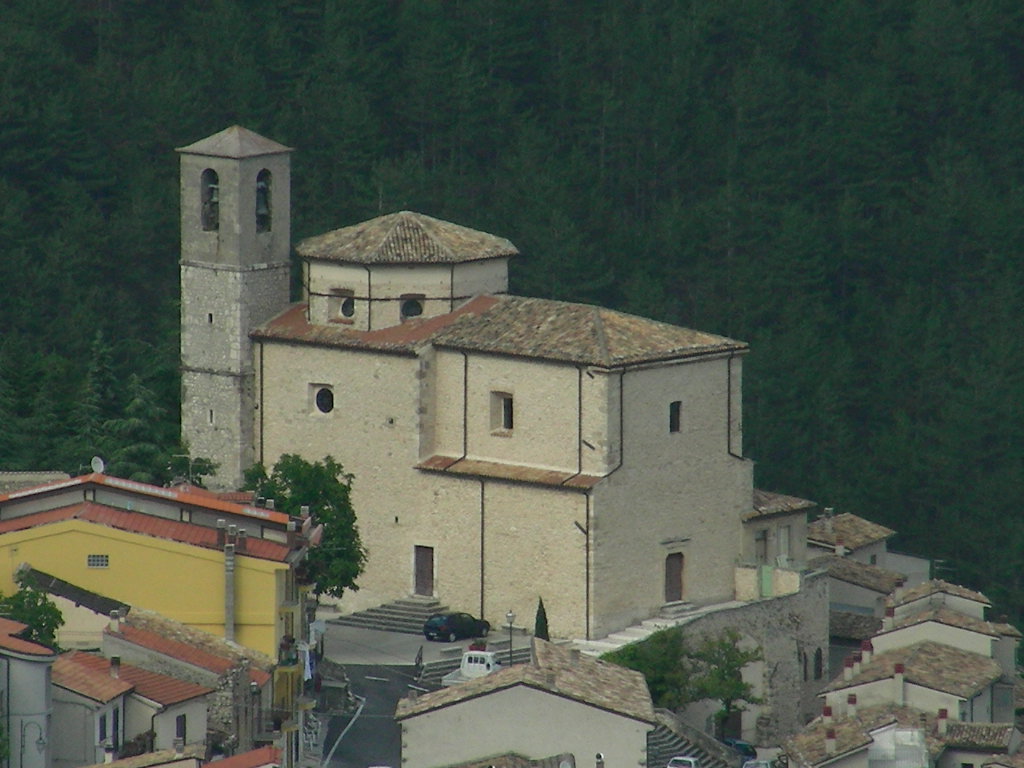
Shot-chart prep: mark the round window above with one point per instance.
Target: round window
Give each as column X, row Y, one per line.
column 324, row 400
column 412, row 308
column 348, row 307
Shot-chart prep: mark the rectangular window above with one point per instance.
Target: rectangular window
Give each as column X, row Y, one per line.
column 103, row 728
column 502, row 412
column 97, row 561
column 674, row 410
column 179, row 727
column 116, row 729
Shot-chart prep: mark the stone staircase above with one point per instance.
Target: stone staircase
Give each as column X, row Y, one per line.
column 670, row 737
column 406, row 615
column 671, row 615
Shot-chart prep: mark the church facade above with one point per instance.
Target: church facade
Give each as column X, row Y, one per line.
column 504, row 448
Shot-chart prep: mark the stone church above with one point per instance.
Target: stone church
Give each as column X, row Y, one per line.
column 504, row 448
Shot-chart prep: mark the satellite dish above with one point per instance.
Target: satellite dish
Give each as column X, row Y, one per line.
column 97, row 465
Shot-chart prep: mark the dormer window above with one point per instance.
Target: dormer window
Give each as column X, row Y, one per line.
column 263, row 211
column 341, row 305
column 209, row 196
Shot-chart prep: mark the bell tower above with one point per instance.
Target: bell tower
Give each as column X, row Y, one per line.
column 235, row 248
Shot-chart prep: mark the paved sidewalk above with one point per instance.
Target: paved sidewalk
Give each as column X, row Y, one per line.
column 356, row 645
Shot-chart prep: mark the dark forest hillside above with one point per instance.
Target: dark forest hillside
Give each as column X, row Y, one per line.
column 838, row 182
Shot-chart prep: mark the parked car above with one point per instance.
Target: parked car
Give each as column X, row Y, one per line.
column 758, row 764
column 683, row 761
column 450, row 627
column 744, row 748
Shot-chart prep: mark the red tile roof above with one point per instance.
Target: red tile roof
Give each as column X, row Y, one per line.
column 146, row 525
column 87, row 681
column 9, row 640
column 190, row 654
column 162, row 689
column 253, row 759
column 185, row 494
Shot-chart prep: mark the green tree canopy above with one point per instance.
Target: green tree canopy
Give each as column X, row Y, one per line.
column 325, row 488
column 34, row 608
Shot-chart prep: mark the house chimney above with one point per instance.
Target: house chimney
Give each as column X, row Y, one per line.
column 826, row 714
column 942, row 722
column 840, row 547
column 240, row 542
column 232, row 532
column 889, row 619
column 108, row 752
column 304, row 510
column 830, row 741
column 851, row 705
column 222, row 525
column 898, row 671
column 270, row 504
column 229, row 592
column 866, row 650
column 599, row 760
column 848, row 668
column 115, row 666
column 856, row 663
column 115, row 621
column 292, row 535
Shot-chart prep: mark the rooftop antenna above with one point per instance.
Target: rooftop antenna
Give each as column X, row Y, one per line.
column 97, row 465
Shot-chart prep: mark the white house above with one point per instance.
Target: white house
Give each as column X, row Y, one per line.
column 25, row 700
column 560, row 702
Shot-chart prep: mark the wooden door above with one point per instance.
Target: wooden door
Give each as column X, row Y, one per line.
column 674, row 577
column 424, row 571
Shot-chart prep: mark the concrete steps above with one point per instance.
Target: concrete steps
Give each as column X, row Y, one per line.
column 406, row 615
column 671, row 737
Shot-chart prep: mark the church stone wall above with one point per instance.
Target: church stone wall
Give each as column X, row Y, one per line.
column 674, row 493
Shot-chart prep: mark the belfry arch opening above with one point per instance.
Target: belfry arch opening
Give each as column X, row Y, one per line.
column 209, row 195
column 264, row 214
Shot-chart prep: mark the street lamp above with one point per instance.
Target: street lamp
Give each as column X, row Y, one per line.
column 510, row 617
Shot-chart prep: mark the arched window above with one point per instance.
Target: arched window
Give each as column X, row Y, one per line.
column 818, row 667
column 263, row 211
column 209, row 195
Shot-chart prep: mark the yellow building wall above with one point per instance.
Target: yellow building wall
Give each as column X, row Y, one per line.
column 182, row 582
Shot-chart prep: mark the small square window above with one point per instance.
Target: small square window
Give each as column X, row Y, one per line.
column 502, row 412
column 97, row 561
column 674, row 412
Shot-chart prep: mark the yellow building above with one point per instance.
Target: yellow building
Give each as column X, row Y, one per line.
column 234, row 586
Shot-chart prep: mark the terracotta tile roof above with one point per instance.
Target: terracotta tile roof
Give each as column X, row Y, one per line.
column 235, row 142
column 405, row 238
column 51, row 585
column 577, row 333
column 991, row 737
column 807, row 748
column 935, row 587
column 87, row 681
column 931, row 665
column 766, row 504
column 146, row 525
column 9, row 640
column 855, row 572
column 853, row 531
column 192, row 646
column 254, row 758
column 14, row 481
column 557, row 670
column 187, row 495
column 514, row 760
column 948, row 616
column 853, row 626
column 163, row 689
column 516, row 326
column 478, row 468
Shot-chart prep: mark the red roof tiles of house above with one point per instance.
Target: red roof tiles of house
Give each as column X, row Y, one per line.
column 188, row 495
column 255, row 758
column 162, row 689
column 767, row 504
column 87, row 681
column 851, row 530
column 190, row 653
column 10, row 640
column 147, row 525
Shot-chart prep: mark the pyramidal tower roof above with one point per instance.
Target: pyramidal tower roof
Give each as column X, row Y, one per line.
column 405, row 238
column 234, row 142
